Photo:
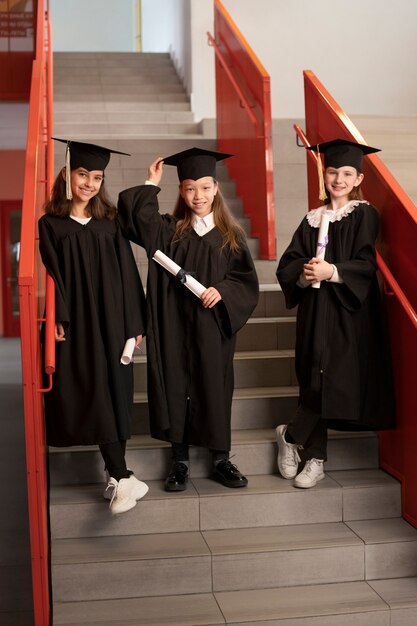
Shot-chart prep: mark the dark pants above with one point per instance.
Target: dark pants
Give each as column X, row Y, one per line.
column 114, row 459
column 308, row 429
column 180, row 452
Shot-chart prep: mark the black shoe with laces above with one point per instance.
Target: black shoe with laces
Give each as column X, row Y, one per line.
column 177, row 477
column 228, row 474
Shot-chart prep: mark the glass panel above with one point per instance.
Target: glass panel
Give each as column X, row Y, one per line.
column 16, row 25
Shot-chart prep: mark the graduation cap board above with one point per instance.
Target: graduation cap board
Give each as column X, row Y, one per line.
column 340, row 153
column 195, row 163
column 87, row 155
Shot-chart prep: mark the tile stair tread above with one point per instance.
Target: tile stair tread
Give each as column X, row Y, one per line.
column 244, row 393
column 204, row 487
column 272, row 320
column 159, row 611
column 240, row 437
column 153, row 136
column 385, row 531
column 397, row 592
column 246, row 355
column 214, row 543
column 277, row 604
column 309, row 601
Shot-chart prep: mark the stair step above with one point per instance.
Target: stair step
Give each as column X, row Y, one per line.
column 338, row 604
column 108, row 130
column 254, row 452
column 63, row 107
column 391, row 546
column 116, row 118
column 267, row 333
column 81, row 511
column 269, row 368
column 389, row 602
column 177, row 610
column 252, row 407
column 231, row 560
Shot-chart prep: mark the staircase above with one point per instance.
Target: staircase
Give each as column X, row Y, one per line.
column 336, row 555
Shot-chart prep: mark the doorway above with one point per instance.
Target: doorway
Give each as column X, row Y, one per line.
column 10, row 218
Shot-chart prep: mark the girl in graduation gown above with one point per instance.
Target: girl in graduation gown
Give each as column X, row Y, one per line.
column 191, row 342
column 342, row 356
column 99, row 304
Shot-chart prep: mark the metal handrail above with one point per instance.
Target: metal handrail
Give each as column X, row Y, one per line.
column 244, row 126
column 244, row 100
column 36, row 188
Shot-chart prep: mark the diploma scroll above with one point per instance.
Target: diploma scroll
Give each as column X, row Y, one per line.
column 322, row 241
column 127, row 355
column 190, row 282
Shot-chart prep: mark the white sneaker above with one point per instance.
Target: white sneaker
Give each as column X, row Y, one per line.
column 125, row 493
column 312, row 473
column 141, row 488
column 288, row 457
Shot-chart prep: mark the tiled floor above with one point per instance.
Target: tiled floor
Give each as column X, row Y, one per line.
column 15, row 574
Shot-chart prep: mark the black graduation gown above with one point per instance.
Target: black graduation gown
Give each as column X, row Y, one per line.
column 189, row 348
column 342, row 348
column 100, row 301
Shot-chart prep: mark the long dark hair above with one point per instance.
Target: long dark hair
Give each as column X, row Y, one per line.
column 232, row 232
column 99, row 206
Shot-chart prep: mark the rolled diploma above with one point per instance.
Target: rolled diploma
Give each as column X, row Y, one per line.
column 191, row 283
column 322, row 241
column 126, row 357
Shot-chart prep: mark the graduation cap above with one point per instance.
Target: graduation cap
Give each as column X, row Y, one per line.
column 195, row 163
column 339, row 153
column 87, row 155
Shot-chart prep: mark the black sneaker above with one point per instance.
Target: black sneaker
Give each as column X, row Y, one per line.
column 177, row 477
column 228, row 474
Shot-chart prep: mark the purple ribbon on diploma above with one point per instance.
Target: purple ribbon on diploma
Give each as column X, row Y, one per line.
column 321, row 246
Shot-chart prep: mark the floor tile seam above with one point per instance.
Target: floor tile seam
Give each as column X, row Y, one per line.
column 288, row 551
column 379, row 595
column 384, row 484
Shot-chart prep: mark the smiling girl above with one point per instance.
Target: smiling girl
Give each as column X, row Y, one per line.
column 191, row 341
column 342, row 354
column 99, row 304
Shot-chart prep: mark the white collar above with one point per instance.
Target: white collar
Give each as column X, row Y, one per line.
column 81, row 220
column 335, row 215
column 207, row 221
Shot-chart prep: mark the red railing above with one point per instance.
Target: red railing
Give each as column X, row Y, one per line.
column 37, row 185
column 244, row 126
column 397, row 262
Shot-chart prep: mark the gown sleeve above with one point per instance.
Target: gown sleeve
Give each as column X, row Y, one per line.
column 358, row 272
column 134, row 305
column 48, row 248
column 239, row 291
column 139, row 217
column 291, row 266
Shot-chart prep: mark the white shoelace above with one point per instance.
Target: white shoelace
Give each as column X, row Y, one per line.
column 294, row 459
column 112, row 485
column 309, row 465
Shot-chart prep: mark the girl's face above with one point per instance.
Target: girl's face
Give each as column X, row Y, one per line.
column 199, row 194
column 84, row 184
column 341, row 180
